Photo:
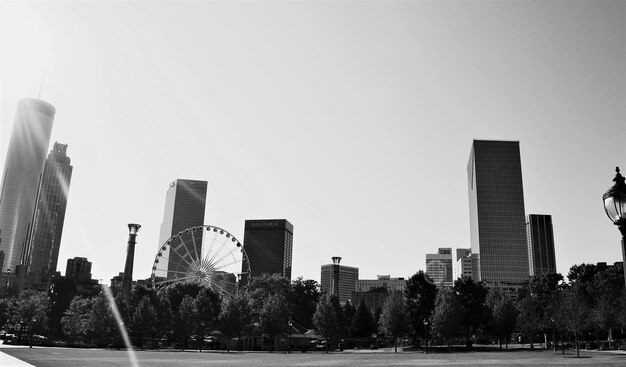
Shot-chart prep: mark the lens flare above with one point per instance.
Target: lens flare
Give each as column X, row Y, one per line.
column 120, row 325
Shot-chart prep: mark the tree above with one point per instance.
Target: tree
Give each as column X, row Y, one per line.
column 144, row 319
column 75, row 322
column 325, row 319
column 362, row 322
column 607, row 288
column 348, row 312
column 530, row 319
column 574, row 311
column 236, row 316
column 208, row 305
column 165, row 317
column 274, row 316
column 102, row 326
column 394, row 320
column 447, row 318
column 304, row 298
column 472, row 297
column 420, row 294
column 503, row 315
column 187, row 318
column 30, row 310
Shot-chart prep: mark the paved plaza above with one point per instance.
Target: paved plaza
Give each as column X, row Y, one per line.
column 57, row 357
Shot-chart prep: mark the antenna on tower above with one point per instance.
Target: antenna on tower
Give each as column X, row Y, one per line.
column 41, row 84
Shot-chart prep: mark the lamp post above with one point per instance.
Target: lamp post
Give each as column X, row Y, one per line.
column 290, row 323
column 127, row 280
column 32, row 332
column 426, row 336
column 615, row 207
column 336, row 260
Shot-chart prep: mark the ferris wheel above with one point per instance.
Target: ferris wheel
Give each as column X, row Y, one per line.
column 206, row 255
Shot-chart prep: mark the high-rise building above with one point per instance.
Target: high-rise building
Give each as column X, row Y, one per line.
column 348, row 277
column 269, row 245
column 541, row 256
column 78, row 268
column 439, row 267
column 497, row 218
column 463, row 265
column 185, row 204
column 43, row 250
column 25, row 159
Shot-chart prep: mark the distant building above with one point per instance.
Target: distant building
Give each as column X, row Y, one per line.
column 43, row 252
column 541, row 254
column 348, row 277
column 463, row 264
column 497, row 217
column 269, row 246
column 79, row 269
column 381, row 281
column 23, row 167
column 374, row 298
column 439, row 267
column 185, row 204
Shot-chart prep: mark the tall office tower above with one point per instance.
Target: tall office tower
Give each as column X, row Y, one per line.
column 269, row 246
column 20, row 180
column 185, row 204
column 43, row 250
column 541, row 256
column 78, row 268
column 439, row 267
column 496, row 202
column 348, row 277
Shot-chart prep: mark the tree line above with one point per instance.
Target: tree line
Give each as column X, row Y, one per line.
column 590, row 302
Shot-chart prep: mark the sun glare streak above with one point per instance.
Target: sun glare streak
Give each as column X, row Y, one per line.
column 120, row 325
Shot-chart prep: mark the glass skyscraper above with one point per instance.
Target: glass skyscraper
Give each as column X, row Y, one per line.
column 43, row 251
column 497, row 217
column 24, row 164
column 268, row 244
column 185, row 203
column 541, row 256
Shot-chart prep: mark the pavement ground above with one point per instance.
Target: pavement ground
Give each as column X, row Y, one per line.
column 69, row 357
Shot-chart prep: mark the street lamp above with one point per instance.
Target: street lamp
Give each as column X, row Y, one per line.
column 426, row 336
column 336, row 260
column 32, row 332
column 290, row 323
column 127, row 279
column 615, row 207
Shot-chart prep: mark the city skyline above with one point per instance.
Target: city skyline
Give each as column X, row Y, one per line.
column 351, row 119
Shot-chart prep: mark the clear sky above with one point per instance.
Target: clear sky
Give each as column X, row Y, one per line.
column 353, row 120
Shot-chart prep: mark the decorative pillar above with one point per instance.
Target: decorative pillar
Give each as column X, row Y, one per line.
column 127, row 279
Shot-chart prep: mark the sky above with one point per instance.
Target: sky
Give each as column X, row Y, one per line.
column 351, row 119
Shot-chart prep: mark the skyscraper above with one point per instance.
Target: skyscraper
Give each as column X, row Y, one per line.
column 348, row 276
column 268, row 244
column 78, row 268
column 463, row 265
column 43, row 250
column 439, row 267
column 185, row 204
column 497, row 218
column 542, row 259
column 26, row 154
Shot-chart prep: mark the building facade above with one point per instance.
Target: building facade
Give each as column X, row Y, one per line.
column 23, row 167
column 381, row 281
column 78, row 268
column 439, row 267
column 269, row 246
column 43, row 250
column 185, row 204
column 348, row 277
column 463, row 264
column 497, row 217
column 541, row 254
